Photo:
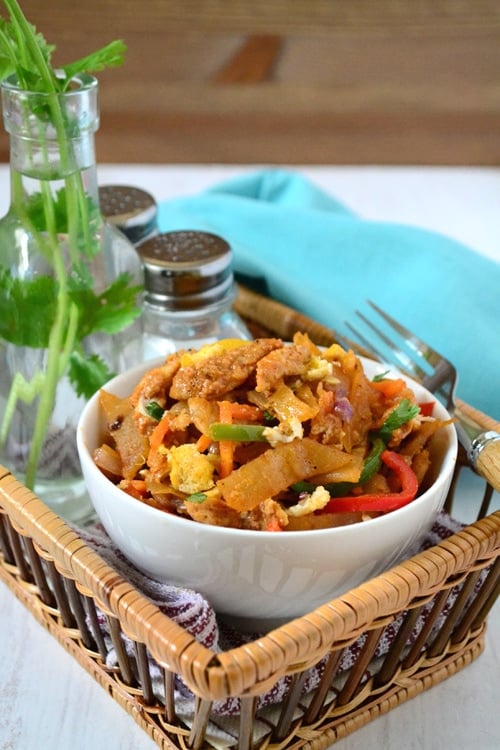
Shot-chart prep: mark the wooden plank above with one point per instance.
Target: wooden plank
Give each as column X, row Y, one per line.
column 284, row 17
column 342, row 139
column 354, row 81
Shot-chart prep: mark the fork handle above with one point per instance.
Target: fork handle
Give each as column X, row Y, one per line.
column 485, row 457
column 480, row 435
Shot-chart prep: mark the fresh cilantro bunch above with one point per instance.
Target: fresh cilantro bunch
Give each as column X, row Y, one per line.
column 56, row 311
column 26, row 53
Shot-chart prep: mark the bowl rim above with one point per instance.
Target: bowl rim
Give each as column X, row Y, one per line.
column 446, row 470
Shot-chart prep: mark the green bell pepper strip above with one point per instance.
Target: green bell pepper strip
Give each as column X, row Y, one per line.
column 382, row 502
column 242, row 433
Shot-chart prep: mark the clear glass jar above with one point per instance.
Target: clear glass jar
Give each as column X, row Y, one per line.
column 56, row 257
column 189, row 291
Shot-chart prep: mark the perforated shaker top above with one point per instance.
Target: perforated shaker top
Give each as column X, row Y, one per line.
column 186, row 269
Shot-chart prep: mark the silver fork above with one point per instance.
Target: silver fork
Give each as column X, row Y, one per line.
column 417, row 359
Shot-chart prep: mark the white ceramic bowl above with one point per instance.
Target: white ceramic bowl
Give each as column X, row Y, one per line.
column 259, row 579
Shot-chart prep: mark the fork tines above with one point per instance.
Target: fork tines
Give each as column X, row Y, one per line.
column 398, row 345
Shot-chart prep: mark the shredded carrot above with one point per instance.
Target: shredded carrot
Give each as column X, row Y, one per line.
column 389, row 387
column 326, row 401
column 273, row 525
column 203, row 443
column 157, row 436
column 135, row 487
column 226, row 447
column 244, row 412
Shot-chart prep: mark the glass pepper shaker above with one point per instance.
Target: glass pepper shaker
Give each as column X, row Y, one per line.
column 189, row 292
column 132, row 210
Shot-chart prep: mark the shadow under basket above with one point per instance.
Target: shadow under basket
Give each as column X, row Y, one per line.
column 431, row 609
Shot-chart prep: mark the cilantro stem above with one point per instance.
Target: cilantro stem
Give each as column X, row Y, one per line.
column 27, row 44
column 20, row 389
column 52, row 374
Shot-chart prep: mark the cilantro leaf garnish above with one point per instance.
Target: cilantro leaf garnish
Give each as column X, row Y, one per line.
column 154, row 410
column 402, row 414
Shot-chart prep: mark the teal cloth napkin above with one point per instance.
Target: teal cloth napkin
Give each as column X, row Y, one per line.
column 314, row 254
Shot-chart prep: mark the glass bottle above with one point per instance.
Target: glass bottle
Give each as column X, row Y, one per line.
column 189, row 290
column 56, row 257
column 130, row 209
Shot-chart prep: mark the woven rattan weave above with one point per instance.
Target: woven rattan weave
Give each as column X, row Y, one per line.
column 449, row 589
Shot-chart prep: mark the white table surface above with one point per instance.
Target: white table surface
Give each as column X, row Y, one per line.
column 48, row 702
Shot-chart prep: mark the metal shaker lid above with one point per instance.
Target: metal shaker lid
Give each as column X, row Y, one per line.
column 186, row 269
column 130, row 209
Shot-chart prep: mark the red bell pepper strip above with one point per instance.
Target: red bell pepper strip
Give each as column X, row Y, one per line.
column 383, row 502
column 426, row 408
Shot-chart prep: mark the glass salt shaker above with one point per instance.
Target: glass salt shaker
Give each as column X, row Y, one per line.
column 132, row 210
column 189, row 290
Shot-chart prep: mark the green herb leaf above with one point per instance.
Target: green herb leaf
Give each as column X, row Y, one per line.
column 27, row 309
column 7, row 66
column 110, row 56
column 87, row 374
column 402, row 414
column 16, row 53
column 154, row 410
column 380, row 376
column 110, row 311
column 36, row 210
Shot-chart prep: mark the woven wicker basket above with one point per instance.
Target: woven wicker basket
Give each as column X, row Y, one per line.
column 72, row 591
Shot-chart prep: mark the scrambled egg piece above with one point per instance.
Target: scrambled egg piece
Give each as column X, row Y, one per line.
column 335, row 352
column 320, row 369
column 190, row 470
column 285, row 432
column 310, row 503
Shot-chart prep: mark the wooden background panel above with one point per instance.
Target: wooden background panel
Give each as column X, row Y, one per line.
column 324, row 81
